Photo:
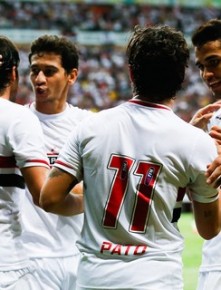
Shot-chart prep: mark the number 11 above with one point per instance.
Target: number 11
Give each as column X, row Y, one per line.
column 148, row 173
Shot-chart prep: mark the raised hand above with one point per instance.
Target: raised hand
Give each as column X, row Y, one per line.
column 202, row 116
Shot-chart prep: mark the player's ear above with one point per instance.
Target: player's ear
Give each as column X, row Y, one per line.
column 14, row 74
column 131, row 75
column 73, row 76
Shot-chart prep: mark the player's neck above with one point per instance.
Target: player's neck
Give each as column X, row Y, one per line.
column 6, row 94
column 50, row 108
column 167, row 102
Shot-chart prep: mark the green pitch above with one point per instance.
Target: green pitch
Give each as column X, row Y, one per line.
column 192, row 251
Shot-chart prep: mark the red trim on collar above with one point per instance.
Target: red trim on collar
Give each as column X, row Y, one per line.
column 149, row 104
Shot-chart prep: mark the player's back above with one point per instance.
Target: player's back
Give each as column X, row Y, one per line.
column 17, row 149
column 138, row 158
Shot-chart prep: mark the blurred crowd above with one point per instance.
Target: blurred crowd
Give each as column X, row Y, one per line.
column 68, row 17
column 103, row 79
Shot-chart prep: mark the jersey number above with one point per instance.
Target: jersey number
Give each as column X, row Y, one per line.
column 148, row 173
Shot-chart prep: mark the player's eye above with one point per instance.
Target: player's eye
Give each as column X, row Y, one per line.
column 213, row 62
column 35, row 71
column 49, row 72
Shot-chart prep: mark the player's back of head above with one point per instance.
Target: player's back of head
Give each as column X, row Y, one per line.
column 157, row 57
column 10, row 59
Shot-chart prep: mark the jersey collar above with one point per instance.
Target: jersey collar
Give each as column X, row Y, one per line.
column 149, row 104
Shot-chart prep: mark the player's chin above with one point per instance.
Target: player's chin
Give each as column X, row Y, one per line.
column 41, row 96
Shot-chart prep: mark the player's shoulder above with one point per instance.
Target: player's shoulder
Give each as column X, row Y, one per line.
column 78, row 112
column 184, row 131
column 27, row 112
column 198, row 136
column 100, row 121
column 187, row 128
column 17, row 109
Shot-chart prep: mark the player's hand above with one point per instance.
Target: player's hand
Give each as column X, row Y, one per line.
column 202, row 116
column 215, row 133
column 1, row 60
column 213, row 172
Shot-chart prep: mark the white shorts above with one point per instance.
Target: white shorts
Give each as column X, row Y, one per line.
column 56, row 273
column 209, row 280
column 23, row 279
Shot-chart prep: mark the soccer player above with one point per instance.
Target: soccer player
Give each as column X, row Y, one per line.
column 207, row 44
column 137, row 160
column 49, row 239
column 22, row 160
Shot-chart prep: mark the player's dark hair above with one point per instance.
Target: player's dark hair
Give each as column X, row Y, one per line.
column 209, row 31
column 10, row 58
column 58, row 45
column 157, row 57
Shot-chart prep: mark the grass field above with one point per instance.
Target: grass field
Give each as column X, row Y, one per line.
column 192, row 251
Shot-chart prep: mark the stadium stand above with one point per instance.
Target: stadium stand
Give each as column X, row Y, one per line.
column 103, row 80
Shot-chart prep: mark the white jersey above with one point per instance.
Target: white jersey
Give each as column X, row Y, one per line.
column 215, row 120
column 46, row 234
column 211, row 258
column 136, row 161
column 21, row 145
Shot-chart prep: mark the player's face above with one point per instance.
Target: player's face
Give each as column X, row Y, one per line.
column 49, row 79
column 208, row 60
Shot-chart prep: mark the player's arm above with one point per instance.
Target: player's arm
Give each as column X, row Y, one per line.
column 207, row 218
column 56, row 196
column 78, row 188
column 34, row 178
column 202, row 116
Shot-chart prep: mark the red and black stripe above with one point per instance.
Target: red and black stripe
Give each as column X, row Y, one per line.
column 12, row 180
